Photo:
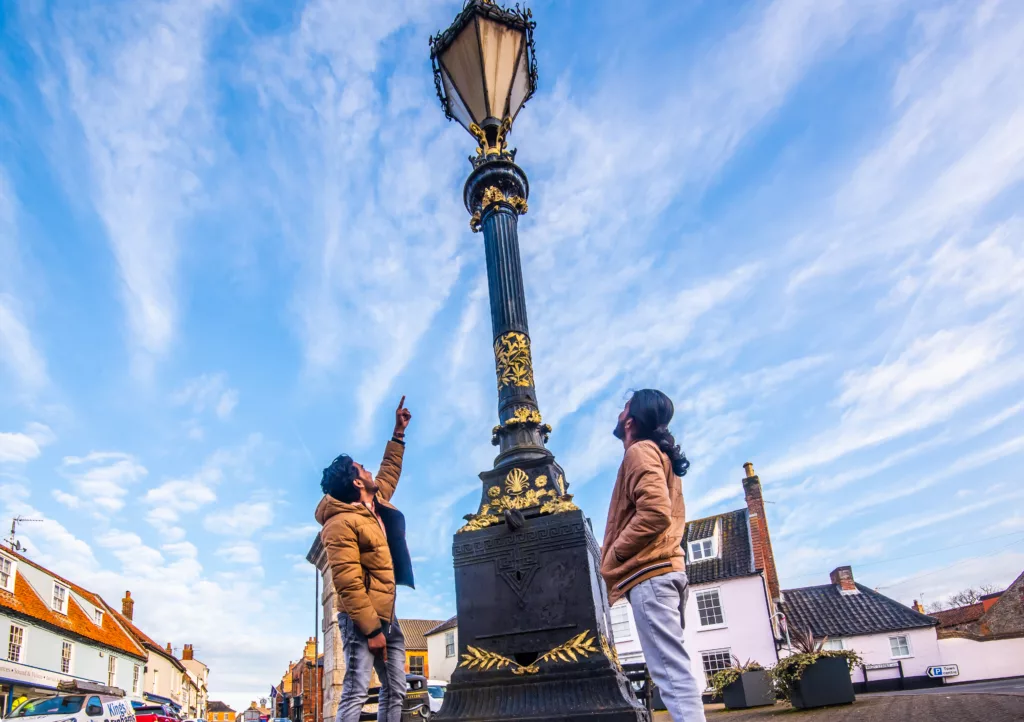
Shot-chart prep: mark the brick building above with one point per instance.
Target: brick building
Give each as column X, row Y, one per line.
column 301, row 686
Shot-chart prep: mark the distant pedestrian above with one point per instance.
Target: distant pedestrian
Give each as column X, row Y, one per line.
column 364, row 537
column 642, row 557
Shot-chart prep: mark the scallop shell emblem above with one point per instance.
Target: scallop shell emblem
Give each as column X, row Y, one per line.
column 516, row 482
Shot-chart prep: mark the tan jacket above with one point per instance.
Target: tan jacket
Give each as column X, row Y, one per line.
column 646, row 519
column 357, row 550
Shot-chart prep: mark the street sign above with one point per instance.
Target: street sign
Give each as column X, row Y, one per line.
column 883, row 665
column 943, row 670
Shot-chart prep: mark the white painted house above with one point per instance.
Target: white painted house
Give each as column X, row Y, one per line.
column 442, row 649
column 898, row 644
column 733, row 585
column 52, row 630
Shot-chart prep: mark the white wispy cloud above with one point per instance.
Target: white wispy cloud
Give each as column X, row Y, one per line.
column 21, row 447
column 208, row 392
column 103, row 478
column 241, row 520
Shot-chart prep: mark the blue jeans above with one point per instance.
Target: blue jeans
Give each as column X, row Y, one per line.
column 658, row 606
column 359, row 663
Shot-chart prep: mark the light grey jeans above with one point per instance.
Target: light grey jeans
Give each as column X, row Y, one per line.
column 658, row 606
column 360, row 661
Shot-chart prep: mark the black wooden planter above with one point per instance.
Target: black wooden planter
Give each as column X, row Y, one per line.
column 826, row 682
column 752, row 689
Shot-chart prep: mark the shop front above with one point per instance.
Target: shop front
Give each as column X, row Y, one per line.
column 20, row 682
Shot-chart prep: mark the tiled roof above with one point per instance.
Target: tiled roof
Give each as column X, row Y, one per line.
column 217, row 706
column 147, row 641
column 444, row 626
column 735, row 557
column 415, row 630
column 26, row 601
column 959, row 615
column 826, row 612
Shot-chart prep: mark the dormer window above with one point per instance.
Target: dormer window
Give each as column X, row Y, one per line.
column 97, row 616
column 6, row 574
column 701, row 549
column 59, row 603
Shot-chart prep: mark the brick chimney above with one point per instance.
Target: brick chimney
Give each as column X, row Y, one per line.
column 169, row 650
column 128, row 606
column 918, row 607
column 842, row 577
column 186, row 652
column 310, row 651
column 760, row 540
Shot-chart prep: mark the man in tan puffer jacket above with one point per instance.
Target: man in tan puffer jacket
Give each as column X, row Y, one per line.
column 642, row 557
column 364, row 536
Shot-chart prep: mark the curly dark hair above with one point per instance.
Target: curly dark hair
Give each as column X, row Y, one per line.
column 338, row 477
column 651, row 411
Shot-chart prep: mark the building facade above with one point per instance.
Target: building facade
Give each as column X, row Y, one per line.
column 301, row 687
column 52, row 630
column 442, row 649
column 896, row 643
column 217, row 711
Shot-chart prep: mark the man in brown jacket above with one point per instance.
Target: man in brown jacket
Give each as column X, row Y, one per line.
column 642, row 557
column 364, row 536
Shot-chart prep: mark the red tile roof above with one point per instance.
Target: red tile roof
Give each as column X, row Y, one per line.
column 959, row 615
column 26, row 601
column 147, row 641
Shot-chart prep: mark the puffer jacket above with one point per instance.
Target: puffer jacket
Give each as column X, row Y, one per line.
column 367, row 562
column 646, row 520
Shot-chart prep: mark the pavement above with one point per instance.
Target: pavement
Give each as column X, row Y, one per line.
column 1001, row 701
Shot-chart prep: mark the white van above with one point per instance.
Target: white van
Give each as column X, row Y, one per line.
column 78, row 701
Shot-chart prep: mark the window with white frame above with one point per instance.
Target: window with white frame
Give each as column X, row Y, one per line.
column 703, row 549
column 59, row 603
column 834, row 643
column 65, row 656
column 136, row 670
column 97, row 616
column 15, row 643
column 709, row 608
column 715, row 660
column 449, row 644
column 900, row 646
column 111, row 669
column 6, row 574
column 621, row 631
column 156, row 680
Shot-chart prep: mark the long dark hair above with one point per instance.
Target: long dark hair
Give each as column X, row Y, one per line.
column 651, row 411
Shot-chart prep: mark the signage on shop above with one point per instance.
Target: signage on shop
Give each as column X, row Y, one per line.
column 944, row 670
column 31, row 676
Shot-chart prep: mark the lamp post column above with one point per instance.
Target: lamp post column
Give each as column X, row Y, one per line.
column 496, row 194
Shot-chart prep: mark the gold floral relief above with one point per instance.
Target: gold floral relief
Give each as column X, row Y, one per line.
column 512, row 360
column 582, row 645
column 541, row 481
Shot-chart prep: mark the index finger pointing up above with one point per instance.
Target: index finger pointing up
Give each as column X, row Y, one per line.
column 401, row 404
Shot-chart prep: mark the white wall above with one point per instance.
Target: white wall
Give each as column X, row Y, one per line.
column 441, row 666
column 876, row 649
column 747, row 631
column 983, row 660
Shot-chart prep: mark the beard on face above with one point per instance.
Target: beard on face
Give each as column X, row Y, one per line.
column 620, row 430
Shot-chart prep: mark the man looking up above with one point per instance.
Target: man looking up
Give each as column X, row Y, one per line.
column 642, row 557
column 364, row 536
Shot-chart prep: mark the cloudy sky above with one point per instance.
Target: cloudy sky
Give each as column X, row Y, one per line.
column 231, row 238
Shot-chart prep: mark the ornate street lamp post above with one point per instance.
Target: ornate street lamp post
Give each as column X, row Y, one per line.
column 534, row 628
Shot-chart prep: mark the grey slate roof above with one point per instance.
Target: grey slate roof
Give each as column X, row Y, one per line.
column 826, row 612
column 443, row 627
column 735, row 557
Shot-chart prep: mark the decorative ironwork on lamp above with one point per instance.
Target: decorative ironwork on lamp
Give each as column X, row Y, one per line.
column 485, row 69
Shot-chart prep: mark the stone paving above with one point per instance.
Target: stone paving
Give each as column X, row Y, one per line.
column 885, row 708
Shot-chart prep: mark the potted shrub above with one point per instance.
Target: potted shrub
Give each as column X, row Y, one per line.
column 815, row 677
column 743, row 685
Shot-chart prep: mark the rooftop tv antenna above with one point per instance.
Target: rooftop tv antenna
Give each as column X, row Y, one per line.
column 12, row 541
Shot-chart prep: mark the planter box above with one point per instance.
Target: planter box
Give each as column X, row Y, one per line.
column 826, row 682
column 752, row 689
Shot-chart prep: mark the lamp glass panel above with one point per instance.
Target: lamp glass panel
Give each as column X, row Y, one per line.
column 462, row 61
column 521, row 84
column 455, row 104
column 500, row 45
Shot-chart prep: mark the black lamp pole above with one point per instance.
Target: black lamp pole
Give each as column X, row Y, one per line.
column 534, row 627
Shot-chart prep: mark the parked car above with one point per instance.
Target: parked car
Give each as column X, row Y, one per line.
column 417, row 704
column 98, row 703
column 436, row 689
column 156, row 713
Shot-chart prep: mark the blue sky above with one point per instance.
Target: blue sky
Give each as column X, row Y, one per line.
column 231, row 238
